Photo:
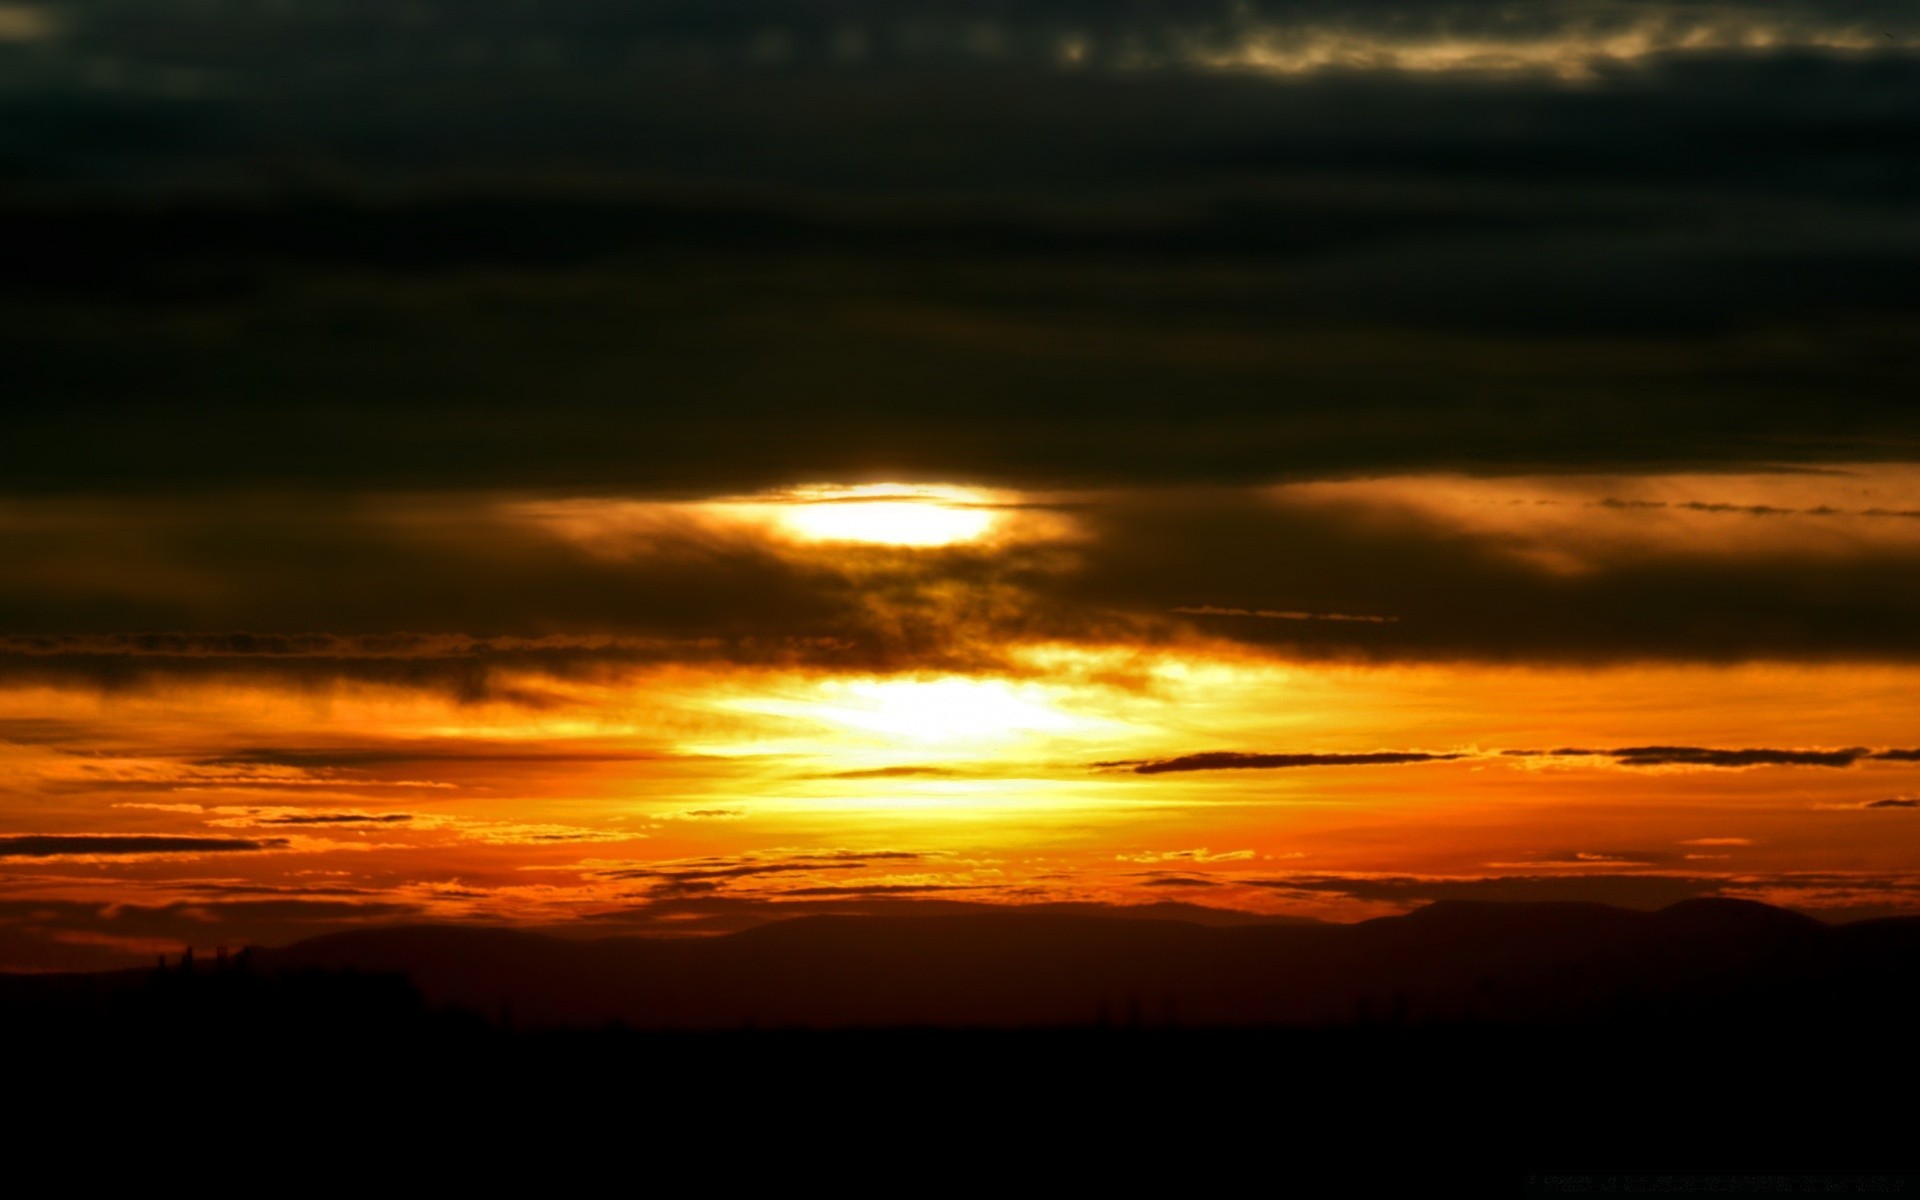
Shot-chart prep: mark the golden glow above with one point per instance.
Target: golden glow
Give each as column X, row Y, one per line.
column 26, row 23
column 889, row 515
column 1576, row 55
column 717, row 771
column 1570, row 524
column 968, row 715
column 879, row 514
column 793, row 784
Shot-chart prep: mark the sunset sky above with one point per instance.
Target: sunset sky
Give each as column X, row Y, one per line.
column 658, row 467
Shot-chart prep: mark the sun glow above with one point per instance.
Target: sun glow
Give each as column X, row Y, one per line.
column 956, row 712
column 889, row 514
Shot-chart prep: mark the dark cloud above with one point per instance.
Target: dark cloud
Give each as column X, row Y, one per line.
column 689, row 592
column 274, row 890
column 1626, row 756
column 1648, row 891
column 1461, row 594
column 1207, row 610
column 512, row 247
column 46, row 845
column 1835, row 895
column 1223, row 760
column 685, row 590
column 1759, row 510
column 44, row 731
column 319, row 263
column 336, row 819
column 1375, row 339
column 1893, row 802
column 403, row 753
column 1179, row 881
column 706, row 873
column 1661, row 756
column 679, row 589
column 877, row 889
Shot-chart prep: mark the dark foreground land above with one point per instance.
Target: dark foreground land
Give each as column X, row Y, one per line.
column 1460, row 1043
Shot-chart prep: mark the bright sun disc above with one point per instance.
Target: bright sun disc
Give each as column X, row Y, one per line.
column 889, row 515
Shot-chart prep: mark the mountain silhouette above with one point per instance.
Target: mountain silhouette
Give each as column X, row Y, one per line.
column 1451, row 963
column 1461, row 1040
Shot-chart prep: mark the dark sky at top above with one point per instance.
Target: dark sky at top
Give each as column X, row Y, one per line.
column 701, row 247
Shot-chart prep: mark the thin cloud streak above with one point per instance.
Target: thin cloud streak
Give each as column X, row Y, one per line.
column 1625, row 756
column 44, row 845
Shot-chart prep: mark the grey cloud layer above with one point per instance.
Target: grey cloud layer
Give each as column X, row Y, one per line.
column 342, row 253
column 489, row 598
column 1460, row 594
column 335, row 246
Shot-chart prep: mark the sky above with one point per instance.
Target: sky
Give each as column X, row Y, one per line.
column 658, row 467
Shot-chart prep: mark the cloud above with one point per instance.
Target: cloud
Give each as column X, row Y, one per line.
column 1201, row 855
column 236, row 816
column 402, row 752
column 1178, row 881
column 1355, row 237
column 336, row 819
column 1225, row 760
column 1894, row 802
column 878, row 889
column 1625, row 756
column 1699, row 756
column 710, row 872
column 281, row 322
column 537, row 833
column 699, row 589
column 27, row 23
column 1629, row 890
column 1757, row 510
column 1208, row 610
column 1482, row 592
column 274, row 890
column 45, row 845
column 902, row 772
column 1835, row 895
column 1702, row 756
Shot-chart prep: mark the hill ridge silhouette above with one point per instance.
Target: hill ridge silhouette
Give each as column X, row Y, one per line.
column 1456, row 962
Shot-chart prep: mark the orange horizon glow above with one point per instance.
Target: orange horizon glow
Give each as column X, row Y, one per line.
column 681, row 788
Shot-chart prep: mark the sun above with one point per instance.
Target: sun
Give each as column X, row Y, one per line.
column 888, row 514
